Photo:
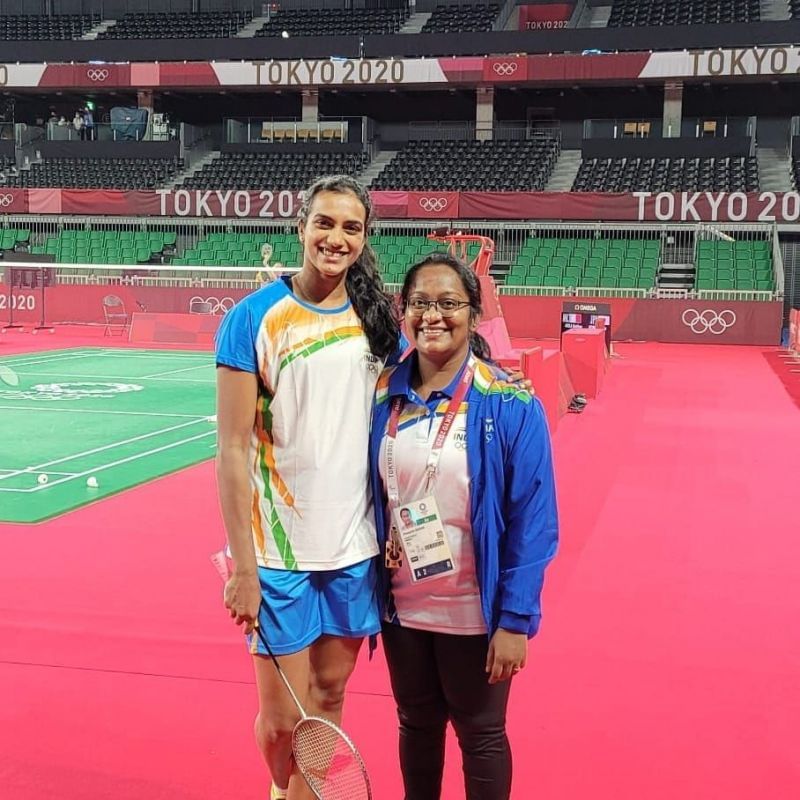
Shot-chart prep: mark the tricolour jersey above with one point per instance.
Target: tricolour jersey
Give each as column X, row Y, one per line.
column 311, row 505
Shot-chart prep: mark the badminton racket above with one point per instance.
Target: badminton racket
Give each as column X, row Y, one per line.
column 325, row 755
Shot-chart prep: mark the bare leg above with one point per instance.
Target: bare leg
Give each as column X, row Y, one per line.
column 333, row 659
column 277, row 713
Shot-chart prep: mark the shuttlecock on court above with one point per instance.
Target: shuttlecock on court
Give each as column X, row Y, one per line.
column 91, row 482
column 43, row 479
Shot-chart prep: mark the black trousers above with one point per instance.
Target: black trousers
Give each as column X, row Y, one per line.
column 436, row 678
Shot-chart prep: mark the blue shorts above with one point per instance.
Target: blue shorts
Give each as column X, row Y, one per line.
column 299, row 607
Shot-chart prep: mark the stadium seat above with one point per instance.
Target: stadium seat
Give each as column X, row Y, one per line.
column 744, row 265
column 667, row 175
column 179, row 25
column 628, row 13
column 96, row 173
column 577, row 262
column 522, row 165
column 273, row 170
column 334, row 22
column 458, row 18
column 33, row 27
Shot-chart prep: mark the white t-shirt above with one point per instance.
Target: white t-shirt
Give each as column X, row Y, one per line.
column 448, row 603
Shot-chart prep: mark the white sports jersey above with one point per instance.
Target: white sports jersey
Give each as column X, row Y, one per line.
column 311, row 503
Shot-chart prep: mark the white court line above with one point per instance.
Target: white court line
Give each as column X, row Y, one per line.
column 45, row 407
column 104, row 447
column 176, row 354
column 51, row 484
column 173, row 371
column 52, row 359
column 49, row 472
column 67, row 377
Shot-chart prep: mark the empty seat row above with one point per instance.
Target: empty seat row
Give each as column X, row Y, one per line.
column 178, row 25
column 667, row 175
column 274, row 170
column 523, row 165
column 458, row 18
column 30, row 27
column 586, row 262
column 98, row 173
column 334, row 22
column 625, row 13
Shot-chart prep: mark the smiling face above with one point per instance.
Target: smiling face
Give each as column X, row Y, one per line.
column 437, row 338
column 333, row 235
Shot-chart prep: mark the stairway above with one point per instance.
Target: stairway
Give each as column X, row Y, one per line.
column 774, row 10
column 101, row 27
column 376, row 166
column 675, row 277
column 178, row 180
column 595, row 17
column 249, row 31
column 774, row 170
column 415, row 23
column 564, row 172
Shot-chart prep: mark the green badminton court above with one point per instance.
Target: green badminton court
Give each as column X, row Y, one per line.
column 116, row 417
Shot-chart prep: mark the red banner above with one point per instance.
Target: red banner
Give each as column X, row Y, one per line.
column 545, row 16
column 677, row 321
column 13, row 201
column 284, row 204
column 794, row 330
column 84, row 304
column 437, row 205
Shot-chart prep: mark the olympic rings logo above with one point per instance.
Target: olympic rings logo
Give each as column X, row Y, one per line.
column 708, row 321
column 97, row 75
column 217, row 305
column 433, row 203
column 6, row 200
column 505, row 68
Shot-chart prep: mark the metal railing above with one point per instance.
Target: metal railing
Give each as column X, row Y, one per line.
column 269, row 130
column 106, row 132
column 678, row 242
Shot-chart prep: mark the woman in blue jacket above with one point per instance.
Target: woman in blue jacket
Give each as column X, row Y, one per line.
column 465, row 456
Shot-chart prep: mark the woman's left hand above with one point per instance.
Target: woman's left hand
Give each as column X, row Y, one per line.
column 517, row 377
column 507, row 655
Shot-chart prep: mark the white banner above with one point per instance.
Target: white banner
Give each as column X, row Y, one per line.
column 21, row 75
column 330, row 72
column 748, row 62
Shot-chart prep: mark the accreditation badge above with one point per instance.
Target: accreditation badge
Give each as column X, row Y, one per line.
column 424, row 541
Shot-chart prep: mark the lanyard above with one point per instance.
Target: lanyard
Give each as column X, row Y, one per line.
column 392, row 487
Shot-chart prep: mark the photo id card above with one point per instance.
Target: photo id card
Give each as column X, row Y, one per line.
column 424, row 541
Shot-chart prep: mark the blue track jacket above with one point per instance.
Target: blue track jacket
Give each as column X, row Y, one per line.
column 512, row 493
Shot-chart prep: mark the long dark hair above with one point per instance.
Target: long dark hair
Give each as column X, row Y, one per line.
column 363, row 282
column 472, row 287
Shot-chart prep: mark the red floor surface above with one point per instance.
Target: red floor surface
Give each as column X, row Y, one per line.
column 667, row 666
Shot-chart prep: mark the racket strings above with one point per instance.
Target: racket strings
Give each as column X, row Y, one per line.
column 329, row 762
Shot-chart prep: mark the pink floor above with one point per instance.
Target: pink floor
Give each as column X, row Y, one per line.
column 667, row 666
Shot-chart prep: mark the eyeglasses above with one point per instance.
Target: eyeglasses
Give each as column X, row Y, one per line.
column 447, row 307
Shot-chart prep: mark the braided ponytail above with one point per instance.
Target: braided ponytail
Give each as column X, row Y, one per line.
column 363, row 282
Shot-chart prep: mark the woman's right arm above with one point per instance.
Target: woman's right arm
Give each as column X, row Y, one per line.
column 237, row 395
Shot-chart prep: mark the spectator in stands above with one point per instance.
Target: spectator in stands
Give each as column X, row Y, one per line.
column 62, row 122
column 77, row 123
column 462, row 591
column 297, row 362
column 88, row 123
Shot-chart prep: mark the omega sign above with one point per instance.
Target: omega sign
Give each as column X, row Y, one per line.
column 718, row 206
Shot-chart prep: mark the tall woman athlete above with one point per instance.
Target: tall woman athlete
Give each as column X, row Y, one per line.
column 297, row 362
